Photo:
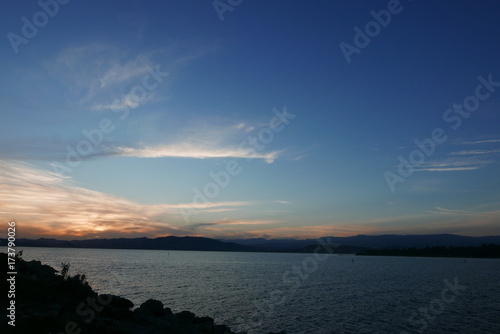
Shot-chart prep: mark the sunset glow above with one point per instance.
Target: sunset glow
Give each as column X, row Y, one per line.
column 165, row 120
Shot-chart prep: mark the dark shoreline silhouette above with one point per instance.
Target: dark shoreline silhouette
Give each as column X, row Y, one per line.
column 48, row 302
column 343, row 245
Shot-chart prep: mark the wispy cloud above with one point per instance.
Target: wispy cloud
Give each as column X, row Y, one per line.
column 100, row 77
column 208, row 141
column 447, row 169
column 444, row 211
column 203, row 139
column 47, row 204
column 475, row 152
column 186, row 150
column 465, row 160
column 127, row 101
column 70, row 211
column 232, row 223
column 208, row 206
column 453, row 164
column 120, row 72
column 487, row 141
column 96, row 72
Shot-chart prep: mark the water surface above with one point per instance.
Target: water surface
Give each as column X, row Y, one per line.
column 260, row 292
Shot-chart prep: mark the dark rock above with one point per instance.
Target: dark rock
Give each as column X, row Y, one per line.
column 185, row 317
column 204, row 324
column 142, row 315
column 163, row 323
column 199, row 320
column 222, row 329
column 117, row 301
column 35, row 270
column 115, row 306
column 148, row 310
column 154, row 307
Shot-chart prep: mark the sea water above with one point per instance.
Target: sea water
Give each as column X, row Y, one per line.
column 299, row 293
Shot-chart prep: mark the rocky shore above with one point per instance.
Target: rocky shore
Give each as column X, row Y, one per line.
column 47, row 301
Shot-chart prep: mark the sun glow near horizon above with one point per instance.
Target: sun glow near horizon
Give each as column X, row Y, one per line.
column 161, row 119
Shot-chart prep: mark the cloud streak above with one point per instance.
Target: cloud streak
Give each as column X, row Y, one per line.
column 232, row 223
column 206, row 143
column 443, row 211
column 186, row 150
column 453, row 164
column 487, row 141
column 45, row 203
column 475, row 152
column 127, row 101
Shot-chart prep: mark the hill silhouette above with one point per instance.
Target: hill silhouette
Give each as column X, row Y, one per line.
column 162, row 243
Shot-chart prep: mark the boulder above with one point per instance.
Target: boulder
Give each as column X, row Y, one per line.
column 115, row 306
column 154, row 307
column 185, row 317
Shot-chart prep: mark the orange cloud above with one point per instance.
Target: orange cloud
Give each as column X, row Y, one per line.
column 46, row 204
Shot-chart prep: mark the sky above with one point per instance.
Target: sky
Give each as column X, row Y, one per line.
column 242, row 119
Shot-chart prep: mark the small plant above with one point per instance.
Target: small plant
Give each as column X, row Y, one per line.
column 64, row 269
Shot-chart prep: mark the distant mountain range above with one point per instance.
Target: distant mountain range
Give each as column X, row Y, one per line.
column 166, row 243
column 387, row 241
column 346, row 245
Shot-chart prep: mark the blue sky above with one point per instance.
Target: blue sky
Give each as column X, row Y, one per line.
column 154, row 98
